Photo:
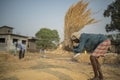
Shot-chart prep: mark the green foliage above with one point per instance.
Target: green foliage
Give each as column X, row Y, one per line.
column 113, row 11
column 47, row 38
column 115, row 40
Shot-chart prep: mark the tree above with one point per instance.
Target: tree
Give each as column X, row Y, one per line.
column 47, row 38
column 113, row 11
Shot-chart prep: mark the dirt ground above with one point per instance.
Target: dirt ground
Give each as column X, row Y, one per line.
column 49, row 66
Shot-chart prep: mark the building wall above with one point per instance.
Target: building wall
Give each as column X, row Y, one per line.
column 32, row 45
column 3, row 46
column 9, row 43
column 7, row 39
column 18, row 38
column 6, row 31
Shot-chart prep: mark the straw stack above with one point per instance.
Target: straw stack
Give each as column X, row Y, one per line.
column 75, row 19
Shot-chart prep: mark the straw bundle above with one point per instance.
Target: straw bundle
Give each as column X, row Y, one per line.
column 75, row 19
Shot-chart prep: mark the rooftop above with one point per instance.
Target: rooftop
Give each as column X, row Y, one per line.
column 7, row 27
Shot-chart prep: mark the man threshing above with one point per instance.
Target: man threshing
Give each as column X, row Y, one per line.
column 77, row 17
column 98, row 44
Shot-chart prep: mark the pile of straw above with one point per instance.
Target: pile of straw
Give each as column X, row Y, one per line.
column 110, row 58
column 75, row 19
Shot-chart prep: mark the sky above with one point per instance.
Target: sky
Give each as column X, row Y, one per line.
column 27, row 17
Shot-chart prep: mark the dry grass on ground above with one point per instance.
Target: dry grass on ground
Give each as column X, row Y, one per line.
column 54, row 65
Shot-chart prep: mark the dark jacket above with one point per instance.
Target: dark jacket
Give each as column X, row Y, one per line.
column 89, row 42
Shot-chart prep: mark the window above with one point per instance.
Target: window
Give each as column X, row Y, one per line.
column 15, row 40
column 2, row 40
column 9, row 31
column 24, row 41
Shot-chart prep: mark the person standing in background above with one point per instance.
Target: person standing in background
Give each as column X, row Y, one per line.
column 22, row 49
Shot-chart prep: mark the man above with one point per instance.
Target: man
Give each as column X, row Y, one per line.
column 22, row 48
column 98, row 44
